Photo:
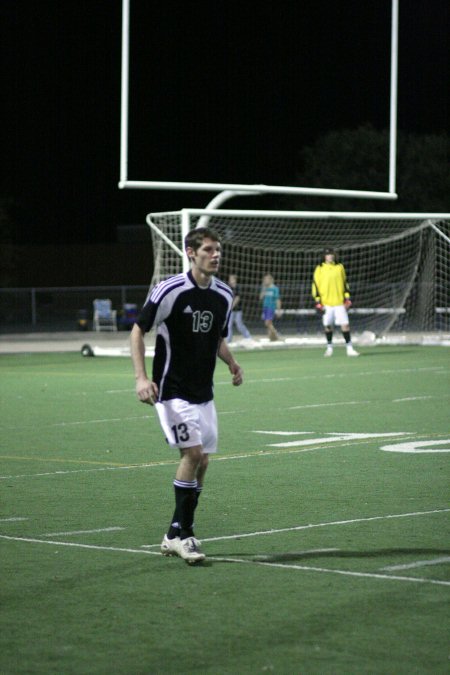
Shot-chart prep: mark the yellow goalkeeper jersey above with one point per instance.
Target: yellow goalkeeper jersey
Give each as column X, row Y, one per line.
column 329, row 285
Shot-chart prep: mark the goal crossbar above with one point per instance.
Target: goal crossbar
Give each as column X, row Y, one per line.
column 305, row 214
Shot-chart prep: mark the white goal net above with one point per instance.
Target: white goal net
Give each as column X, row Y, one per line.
column 397, row 264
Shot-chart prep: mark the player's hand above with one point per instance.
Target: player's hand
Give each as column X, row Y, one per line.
column 319, row 307
column 347, row 303
column 147, row 392
column 238, row 374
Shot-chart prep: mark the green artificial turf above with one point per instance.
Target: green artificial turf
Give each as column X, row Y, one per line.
column 325, row 552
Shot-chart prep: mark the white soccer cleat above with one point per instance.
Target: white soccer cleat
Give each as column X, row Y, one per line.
column 189, row 550
column 352, row 352
column 168, row 546
column 329, row 351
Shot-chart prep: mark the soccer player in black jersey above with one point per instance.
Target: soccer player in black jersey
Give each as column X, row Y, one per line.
column 190, row 312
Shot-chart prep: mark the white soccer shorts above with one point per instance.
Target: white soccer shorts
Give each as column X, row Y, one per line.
column 335, row 316
column 188, row 424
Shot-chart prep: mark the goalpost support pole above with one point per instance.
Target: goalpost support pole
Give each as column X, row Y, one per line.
column 393, row 101
column 185, row 226
column 124, row 91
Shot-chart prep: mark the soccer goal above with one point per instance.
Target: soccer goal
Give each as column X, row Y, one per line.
column 397, row 264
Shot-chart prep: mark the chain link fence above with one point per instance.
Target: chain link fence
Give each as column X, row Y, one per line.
column 59, row 309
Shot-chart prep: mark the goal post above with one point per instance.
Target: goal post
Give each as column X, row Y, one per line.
column 397, row 264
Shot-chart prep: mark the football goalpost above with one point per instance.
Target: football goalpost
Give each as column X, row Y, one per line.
column 397, row 264
column 126, row 183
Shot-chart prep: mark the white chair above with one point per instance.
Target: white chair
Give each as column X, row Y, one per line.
column 105, row 317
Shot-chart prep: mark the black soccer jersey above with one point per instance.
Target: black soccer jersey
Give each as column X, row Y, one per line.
column 189, row 321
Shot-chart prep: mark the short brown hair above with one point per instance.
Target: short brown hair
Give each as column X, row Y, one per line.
column 194, row 238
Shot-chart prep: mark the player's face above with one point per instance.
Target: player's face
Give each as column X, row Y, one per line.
column 206, row 258
column 329, row 257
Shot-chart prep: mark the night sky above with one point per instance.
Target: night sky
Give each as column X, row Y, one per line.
column 224, row 91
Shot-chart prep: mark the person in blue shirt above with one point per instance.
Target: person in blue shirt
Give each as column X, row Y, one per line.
column 271, row 305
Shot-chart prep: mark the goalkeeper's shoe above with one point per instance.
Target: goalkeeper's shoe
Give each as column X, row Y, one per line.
column 351, row 351
column 189, row 550
column 169, row 546
column 329, row 351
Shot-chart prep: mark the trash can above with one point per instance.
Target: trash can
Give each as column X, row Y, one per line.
column 82, row 319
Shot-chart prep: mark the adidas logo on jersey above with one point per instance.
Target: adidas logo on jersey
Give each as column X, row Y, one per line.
column 187, row 310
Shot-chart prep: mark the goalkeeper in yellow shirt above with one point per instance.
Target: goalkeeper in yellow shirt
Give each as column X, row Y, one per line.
column 332, row 299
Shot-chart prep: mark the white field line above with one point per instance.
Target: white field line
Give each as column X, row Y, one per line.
column 111, row 420
column 222, row 383
column 348, row 374
column 103, row 421
column 33, row 540
column 100, row 468
column 75, row 532
column 310, row 526
column 328, row 405
column 420, row 563
column 368, row 402
column 306, row 568
column 171, row 462
column 326, row 570
column 334, row 438
column 11, row 520
column 411, row 398
column 218, row 458
column 120, row 391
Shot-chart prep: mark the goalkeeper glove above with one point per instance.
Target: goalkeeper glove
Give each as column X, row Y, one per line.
column 319, row 307
column 347, row 303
